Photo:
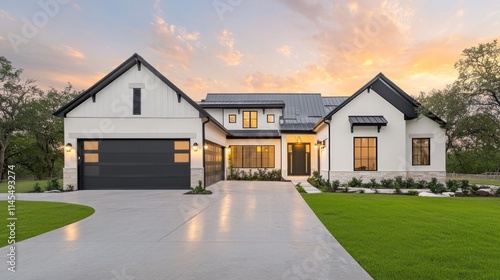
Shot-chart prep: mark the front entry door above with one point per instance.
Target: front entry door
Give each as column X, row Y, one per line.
column 299, row 159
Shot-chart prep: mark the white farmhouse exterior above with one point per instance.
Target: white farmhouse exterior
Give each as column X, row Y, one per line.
column 134, row 129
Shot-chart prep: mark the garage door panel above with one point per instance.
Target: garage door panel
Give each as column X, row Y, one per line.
column 145, row 183
column 134, row 164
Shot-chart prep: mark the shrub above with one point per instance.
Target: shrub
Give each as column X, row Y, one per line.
column 299, row 188
column 331, row 186
column 465, row 186
column 361, row 191
column 452, row 185
column 355, row 183
column 409, row 183
column 53, row 184
column 259, row 175
column 399, row 180
column 436, row 187
column 200, row 189
column 412, row 192
column 387, row 183
column 346, row 188
column 422, row 184
column 397, row 188
column 37, row 188
column 474, row 189
column 70, row 187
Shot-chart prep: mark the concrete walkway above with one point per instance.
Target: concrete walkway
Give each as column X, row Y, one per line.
column 245, row 230
column 303, row 182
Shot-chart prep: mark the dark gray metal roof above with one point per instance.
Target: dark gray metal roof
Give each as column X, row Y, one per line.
column 301, row 110
column 331, row 102
column 254, row 134
column 367, row 120
column 377, row 121
column 243, row 104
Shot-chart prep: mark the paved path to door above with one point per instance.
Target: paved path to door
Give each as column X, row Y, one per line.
column 245, row 230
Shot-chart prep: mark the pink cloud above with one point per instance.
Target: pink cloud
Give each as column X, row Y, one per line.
column 230, row 55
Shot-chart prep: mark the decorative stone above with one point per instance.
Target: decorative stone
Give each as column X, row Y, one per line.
column 429, row 194
column 52, row 191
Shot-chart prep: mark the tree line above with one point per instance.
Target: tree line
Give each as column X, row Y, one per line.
column 32, row 138
column 471, row 107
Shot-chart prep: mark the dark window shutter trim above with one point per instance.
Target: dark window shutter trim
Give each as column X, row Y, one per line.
column 137, row 101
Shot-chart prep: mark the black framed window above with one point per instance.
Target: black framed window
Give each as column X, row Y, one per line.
column 137, row 101
column 249, row 119
column 252, row 156
column 270, row 118
column 232, row 118
column 421, row 151
column 365, row 153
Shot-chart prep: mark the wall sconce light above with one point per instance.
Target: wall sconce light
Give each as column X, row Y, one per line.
column 195, row 147
column 68, row 147
column 317, row 145
column 298, row 140
column 205, row 146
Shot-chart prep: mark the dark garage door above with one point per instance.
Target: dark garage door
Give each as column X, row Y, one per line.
column 214, row 163
column 134, row 164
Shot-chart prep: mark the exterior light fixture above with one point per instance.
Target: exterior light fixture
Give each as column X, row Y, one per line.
column 68, row 147
column 298, row 140
column 317, row 145
column 205, row 146
column 195, row 147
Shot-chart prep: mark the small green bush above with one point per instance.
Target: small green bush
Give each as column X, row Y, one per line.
column 200, row 189
column 465, row 186
column 497, row 191
column 361, row 191
column 37, row 188
column 259, row 175
column 53, row 184
column 436, row 187
column 474, row 189
column 412, row 192
column 387, row 183
column 422, row 184
column 397, row 188
column 331, row 186
column 299, row 188
column 409, row 183
column 355, row 183
column 452, row 185
column 345, row 188
column 70, row 187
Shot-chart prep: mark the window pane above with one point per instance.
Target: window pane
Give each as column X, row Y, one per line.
column 180, row 158
column 232, row 118
column 270, row 118
column 365, row 153
column 91, row 158
column 91, row 145
column 181, row 145
column 421, row 151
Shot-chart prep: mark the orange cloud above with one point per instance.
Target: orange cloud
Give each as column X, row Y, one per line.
column 173, row 42
column 285, row 50
column 71, row 52
column 230, row 56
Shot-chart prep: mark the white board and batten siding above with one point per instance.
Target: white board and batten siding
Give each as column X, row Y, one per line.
column 158, row 100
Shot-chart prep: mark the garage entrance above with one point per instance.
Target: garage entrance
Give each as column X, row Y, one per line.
column 134, row 164
column 214, row 163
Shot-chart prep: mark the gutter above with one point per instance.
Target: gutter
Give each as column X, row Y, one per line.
column 329, row 147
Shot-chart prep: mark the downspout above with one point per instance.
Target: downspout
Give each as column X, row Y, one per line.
column 203, row 150
column 329, row 148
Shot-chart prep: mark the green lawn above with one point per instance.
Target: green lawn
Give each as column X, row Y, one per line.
column 25, row 186
column 37, row 217
column 405, row 237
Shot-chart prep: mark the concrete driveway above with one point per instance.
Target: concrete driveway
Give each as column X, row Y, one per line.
column 245, row 230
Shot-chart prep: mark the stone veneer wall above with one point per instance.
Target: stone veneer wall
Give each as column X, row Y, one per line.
column 70, row 177
column 196, row 175
column 345, row 176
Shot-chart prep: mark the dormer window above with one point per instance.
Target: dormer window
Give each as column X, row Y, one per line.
column 249, row 119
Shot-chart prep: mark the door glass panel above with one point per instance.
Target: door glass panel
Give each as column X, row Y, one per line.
column 181, row 145
column 180, row 158
column 91, row 145
column 91, row 158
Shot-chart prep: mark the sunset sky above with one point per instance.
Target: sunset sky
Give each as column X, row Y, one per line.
column 330, row 47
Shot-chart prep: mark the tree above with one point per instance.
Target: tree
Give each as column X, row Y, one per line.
column 44, row 131
column 479, row 74
column 14, row 94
